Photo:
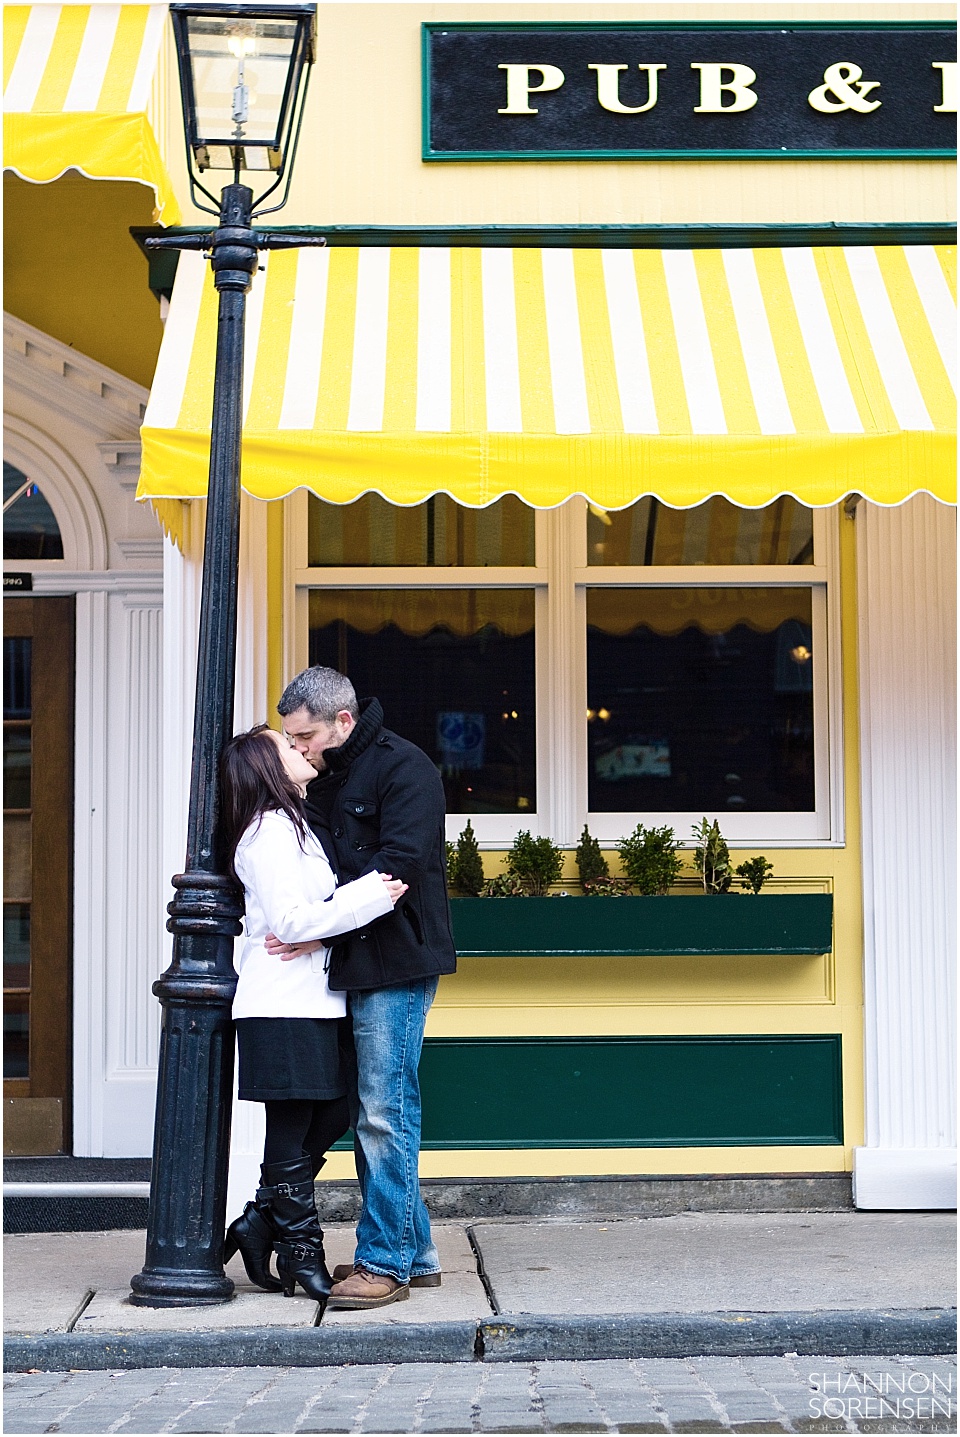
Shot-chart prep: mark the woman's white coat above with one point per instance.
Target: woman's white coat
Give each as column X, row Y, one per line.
column 292, row 891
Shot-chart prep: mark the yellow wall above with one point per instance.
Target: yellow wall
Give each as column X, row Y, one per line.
column 359, row 159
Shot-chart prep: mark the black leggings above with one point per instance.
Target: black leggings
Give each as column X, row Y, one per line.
column 302, row 1126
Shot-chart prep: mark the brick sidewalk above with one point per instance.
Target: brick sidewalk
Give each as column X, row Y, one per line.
column 710, row 1394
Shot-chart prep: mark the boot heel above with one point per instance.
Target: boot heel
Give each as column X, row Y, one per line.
column 230, row 1246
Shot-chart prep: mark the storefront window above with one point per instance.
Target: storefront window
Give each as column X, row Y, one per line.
column 700, row 700
column 30, row 529
column 373, row 533
column 707, row 688
column 454, row 670
column 715, row 532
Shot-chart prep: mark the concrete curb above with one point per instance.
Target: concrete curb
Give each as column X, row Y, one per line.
column 520, row 1337
column 244, row 1347
column 925, row 1332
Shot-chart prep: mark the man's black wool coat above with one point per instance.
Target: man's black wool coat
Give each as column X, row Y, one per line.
column 380, row 805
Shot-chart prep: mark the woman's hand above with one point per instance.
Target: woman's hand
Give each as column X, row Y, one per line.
column 285, row 951
column 395, row 889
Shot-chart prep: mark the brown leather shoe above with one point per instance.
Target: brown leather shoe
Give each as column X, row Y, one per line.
column 367, row 1289
column 426, row 1279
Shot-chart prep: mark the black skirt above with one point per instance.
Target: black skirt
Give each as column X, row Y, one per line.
column 287, row 1058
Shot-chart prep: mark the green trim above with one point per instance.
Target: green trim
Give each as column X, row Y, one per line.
column 771, row 924
column 163, row 263
column 430, row 156
column 740, row 1090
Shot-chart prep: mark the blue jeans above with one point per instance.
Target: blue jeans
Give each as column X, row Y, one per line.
column 393, row 1234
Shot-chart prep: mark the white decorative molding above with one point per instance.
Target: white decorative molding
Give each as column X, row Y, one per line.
column 85, row 391
column 148, row 552
column 896, row 1179
column 121, row 459
column 117, row 882
column 65, row 488
column 907, row 657
column 119, row 581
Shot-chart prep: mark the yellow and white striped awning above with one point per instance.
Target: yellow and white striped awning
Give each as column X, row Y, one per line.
column 76, row 87
column 552, row 372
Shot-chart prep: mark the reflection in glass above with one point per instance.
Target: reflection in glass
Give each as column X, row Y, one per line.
column 700, row 700
column 16, row 945
column 372, row 533
column 17, row 676
column 715, row 532
column 30, row 528
column 454, row 671
column 16, row 1035
column 16, row 765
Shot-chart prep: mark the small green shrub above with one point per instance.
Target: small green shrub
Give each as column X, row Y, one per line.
column 451, row 860
column 650, row 859
column 754, row 873
column 536, row 862
column 712, row 857
column 591, row 864
column 505, row 885
column 469, row 864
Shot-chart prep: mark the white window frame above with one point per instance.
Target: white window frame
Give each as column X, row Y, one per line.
column 560, row 578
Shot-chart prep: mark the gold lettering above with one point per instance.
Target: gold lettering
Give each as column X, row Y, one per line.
column 712, row 86
column 519, row 88
column 948, row 99
column 849, row 92
column 608, row 88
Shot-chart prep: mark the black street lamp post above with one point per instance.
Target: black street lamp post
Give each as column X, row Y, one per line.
column 229, row 56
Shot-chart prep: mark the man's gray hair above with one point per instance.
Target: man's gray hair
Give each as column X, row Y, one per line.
column 322, row 692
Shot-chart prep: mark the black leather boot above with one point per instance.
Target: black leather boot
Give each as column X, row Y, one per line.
column 288, row 1194
column 252, row 1235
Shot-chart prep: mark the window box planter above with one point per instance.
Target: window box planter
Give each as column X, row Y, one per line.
column 794, row 923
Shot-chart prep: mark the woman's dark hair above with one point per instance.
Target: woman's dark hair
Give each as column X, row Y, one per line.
column 254, row 781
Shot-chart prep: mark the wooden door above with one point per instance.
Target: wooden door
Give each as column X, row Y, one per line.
column 38, row 689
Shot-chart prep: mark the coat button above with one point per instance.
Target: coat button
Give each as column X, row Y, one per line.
column 338, row 833
column 363, row 936
column 383, row 738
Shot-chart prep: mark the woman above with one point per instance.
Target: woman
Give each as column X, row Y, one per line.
column 287, row 1019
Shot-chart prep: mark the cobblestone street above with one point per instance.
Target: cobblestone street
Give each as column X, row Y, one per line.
column 709, row 1394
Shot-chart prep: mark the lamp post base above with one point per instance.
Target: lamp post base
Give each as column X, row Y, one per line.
column 161, row 1287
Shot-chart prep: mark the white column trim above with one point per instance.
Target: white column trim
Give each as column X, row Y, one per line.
column 906, row 567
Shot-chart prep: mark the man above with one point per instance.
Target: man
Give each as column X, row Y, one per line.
column 377, row 803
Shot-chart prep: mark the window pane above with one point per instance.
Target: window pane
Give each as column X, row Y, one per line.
column 17, row 675
column 16, row 856
column 16, row 945
column 16, row 766
column 16, row 1035
column 372, row 533
column 30, row 530
column 454, row 670
column 700, row 700
column 715, row 532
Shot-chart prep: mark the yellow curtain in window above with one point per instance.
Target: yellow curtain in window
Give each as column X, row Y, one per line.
column 416, row 612
column 712, row 611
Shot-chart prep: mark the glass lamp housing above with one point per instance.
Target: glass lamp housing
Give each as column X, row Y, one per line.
column 242, row 72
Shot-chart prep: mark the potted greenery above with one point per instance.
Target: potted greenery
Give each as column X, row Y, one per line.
column 528, row 921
